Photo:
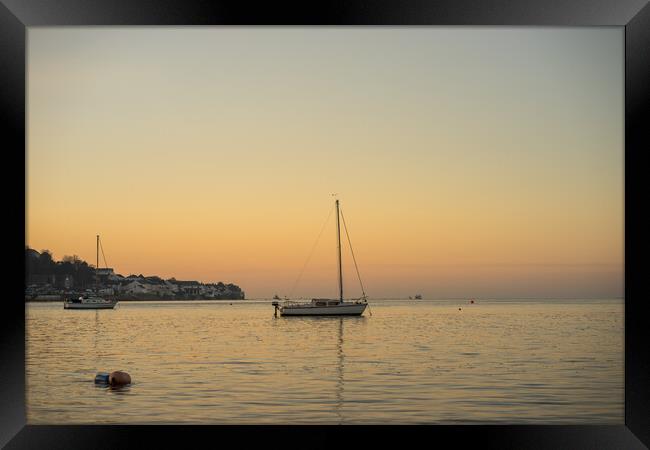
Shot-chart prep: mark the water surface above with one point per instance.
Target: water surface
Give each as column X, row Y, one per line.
column 415, row 361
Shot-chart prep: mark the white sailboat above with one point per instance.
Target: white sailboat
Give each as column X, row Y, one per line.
column 94, row 300
column 89, row 302
column 327, row 306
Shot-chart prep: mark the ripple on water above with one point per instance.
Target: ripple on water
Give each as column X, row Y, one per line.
column 512, row 362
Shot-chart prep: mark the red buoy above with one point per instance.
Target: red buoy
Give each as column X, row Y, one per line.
column 119, row 378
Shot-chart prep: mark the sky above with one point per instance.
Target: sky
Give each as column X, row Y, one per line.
column 478, row 162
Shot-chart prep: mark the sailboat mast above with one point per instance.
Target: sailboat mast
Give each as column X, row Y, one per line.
column 338, row 241
column 97, row 265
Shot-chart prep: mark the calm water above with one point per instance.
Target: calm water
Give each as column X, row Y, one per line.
column 413, row 361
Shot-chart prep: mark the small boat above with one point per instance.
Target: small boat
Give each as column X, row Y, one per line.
column 328, row 306
column 418, row 297
column 93, row 300
column 89, row 302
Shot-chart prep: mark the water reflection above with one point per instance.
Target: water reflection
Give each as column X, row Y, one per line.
column 114, row 389
column 96, row 334
column 119, row 389
column 339, row 384
column 99, row 357
column 509, row 363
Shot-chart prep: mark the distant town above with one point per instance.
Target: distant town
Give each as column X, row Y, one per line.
column 46, row 279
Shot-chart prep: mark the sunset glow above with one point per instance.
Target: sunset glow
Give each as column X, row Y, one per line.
column 469, row 162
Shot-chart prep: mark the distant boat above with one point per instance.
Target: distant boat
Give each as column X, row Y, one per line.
column 418, row 297
column 89, row 302
column 93, row 300
column 327, row 306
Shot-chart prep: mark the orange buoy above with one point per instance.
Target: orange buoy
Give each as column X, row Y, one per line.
column 119, row 378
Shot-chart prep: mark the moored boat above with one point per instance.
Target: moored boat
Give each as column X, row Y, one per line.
column 327, row 306
column 91, row 301
column 323, row 307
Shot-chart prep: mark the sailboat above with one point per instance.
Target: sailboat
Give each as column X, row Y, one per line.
column 327, row 306
column 94, row 300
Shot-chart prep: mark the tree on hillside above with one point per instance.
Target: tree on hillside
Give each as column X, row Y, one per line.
column 45, row 264
column 74, row 259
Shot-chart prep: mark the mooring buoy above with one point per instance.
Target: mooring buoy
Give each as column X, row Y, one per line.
column 119, row 378
column 116, row 378
column 102, row 378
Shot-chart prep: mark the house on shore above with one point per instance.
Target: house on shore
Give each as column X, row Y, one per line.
column 72, row 276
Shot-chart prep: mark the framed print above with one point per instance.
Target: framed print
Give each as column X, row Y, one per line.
column 377, row 222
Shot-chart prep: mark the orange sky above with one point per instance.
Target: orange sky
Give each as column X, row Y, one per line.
column 469, row 162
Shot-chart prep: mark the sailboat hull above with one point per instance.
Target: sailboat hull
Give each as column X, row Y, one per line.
column 350, row 309
column 90, row 305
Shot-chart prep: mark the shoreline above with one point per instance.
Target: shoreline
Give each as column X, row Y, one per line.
column 131, row 299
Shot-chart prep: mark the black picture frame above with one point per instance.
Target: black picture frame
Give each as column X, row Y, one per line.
column 634, row 15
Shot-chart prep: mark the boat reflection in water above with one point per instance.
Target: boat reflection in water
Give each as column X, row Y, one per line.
column 339, row 384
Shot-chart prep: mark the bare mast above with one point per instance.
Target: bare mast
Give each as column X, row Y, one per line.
column 97, row 266
column 338, row 240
